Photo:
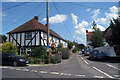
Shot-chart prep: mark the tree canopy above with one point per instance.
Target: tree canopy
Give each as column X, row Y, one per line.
column 8, row 47
column 114, row 39
column 3, row 38
column 96, row 38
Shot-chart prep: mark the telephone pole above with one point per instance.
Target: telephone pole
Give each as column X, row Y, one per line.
column 47, row 22
column 48, row 31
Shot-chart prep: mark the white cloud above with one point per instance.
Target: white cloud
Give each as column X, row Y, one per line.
column 98, row 26
column 56, row 19
column 74, row 17
column 95, row 13
column 108, row 16
column 81, row 39
column 114, row 9
column 80, row 28
column 88, row 10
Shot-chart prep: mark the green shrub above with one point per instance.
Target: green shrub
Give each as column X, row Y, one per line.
column 8, row 47
column 74, row 50
column 46, row 59
column 53, row 59
column 58, row 59
column 65, row 54
column 35, row 60
column 70, row 45
column 39, row 52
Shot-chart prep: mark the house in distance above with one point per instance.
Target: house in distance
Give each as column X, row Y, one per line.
column 33, row 34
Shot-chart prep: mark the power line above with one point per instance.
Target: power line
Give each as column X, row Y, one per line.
column 62, row 18
column 27, row 14
column 85, row 6
column 14, row 6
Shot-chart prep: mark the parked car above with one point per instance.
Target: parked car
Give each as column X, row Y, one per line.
column 87, row 52
column 96, row 55
column 83, row 51
column 13, row 59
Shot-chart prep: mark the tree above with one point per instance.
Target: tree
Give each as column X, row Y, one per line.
column 97, row 38
column 114, row 39
column 3, row 38
column 70, row 45
column 8, row 47
column 81, row 46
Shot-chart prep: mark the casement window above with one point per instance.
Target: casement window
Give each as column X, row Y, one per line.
column 44, row 35
column 28, row 35
column 55, row 40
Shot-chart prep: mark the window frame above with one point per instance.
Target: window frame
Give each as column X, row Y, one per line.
column 28, row 35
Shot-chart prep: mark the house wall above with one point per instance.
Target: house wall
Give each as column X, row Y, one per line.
column 20, row 37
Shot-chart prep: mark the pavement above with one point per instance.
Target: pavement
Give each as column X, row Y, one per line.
column 78, row 66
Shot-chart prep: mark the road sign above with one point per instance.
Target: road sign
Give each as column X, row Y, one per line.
column 47, row 47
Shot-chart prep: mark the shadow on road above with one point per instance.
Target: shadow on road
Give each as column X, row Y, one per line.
column 107, row 59
column 16, row 66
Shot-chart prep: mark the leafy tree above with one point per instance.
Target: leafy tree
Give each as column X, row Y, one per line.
column 115, row 37
column 97, row 38
column 70, row 45
column 8, row 47
column 3, row 38
column 81, row 46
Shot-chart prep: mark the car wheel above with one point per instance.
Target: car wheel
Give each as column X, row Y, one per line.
column 14, row 63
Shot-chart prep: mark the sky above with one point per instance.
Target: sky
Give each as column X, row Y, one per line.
column 69, row 19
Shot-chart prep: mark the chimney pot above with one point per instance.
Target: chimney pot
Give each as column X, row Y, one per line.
column 36, row 18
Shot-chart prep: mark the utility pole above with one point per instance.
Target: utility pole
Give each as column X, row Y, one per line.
column 47, row 22
column 48, row 31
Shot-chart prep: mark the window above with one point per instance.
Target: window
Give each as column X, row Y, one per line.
column 44, row 35
column 28, row 35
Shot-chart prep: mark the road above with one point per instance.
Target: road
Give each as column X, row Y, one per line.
column 78, row 66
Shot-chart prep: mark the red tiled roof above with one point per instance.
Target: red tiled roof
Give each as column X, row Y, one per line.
column 33, row 25
column 89, row 35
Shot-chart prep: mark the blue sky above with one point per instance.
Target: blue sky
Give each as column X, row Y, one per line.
column 70, row 20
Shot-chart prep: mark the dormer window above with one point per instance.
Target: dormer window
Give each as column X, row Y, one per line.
column 28, row 35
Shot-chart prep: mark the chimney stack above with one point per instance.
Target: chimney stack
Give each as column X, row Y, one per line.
column 36, row 18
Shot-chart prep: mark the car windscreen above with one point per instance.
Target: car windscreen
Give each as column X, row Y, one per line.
column 97, row 52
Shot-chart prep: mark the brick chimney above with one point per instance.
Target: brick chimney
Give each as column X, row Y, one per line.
column 36, row 18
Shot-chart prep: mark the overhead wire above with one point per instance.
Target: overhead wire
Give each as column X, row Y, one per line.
column 85, row 6
column 14, row 6
column 62, row 19
column 26, row 15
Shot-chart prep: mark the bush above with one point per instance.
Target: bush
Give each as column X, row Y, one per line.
column 58, row 57
column 74, row 50
column 70, row 45
column 39, row 52
column 53, row 59
column 35, row 60
column 8, row 47
column 65, row 54
column 46, row 59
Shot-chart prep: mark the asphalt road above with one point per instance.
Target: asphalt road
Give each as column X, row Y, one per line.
column 78, row 66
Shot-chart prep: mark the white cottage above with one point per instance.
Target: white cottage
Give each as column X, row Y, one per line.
column 33, row 34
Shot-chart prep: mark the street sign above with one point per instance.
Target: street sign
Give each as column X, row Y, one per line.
column 47, row 47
